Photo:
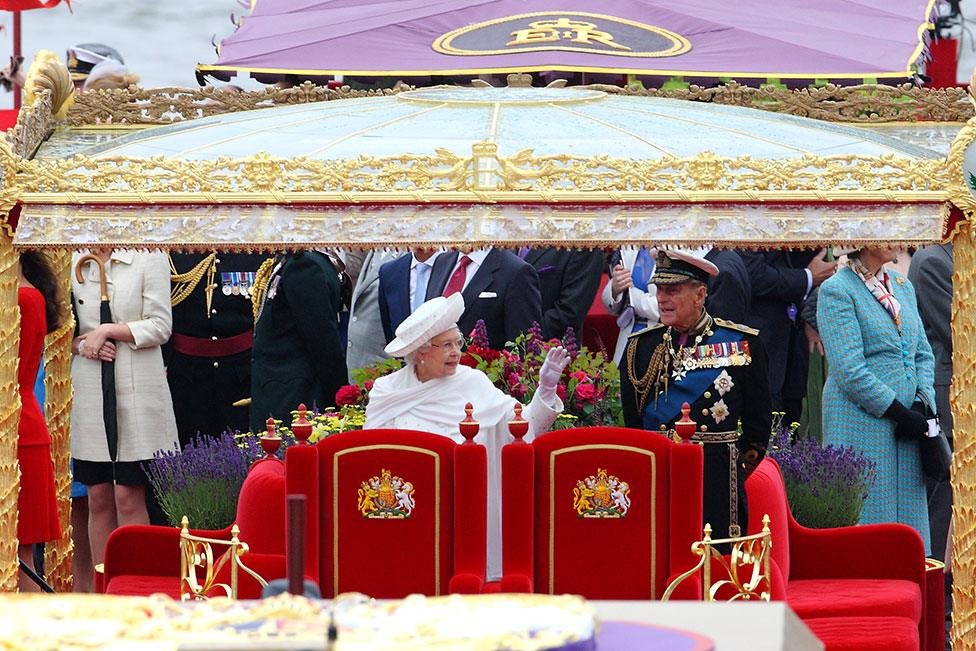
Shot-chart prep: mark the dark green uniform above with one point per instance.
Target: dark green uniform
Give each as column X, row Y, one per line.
column 719, row 369
column 298, row 357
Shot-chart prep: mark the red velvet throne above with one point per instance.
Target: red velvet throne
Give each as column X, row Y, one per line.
column 860, row 587
column 393, row 512
column 564, row 525
column 142, row 560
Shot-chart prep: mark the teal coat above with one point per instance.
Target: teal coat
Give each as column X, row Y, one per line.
column 869, row 365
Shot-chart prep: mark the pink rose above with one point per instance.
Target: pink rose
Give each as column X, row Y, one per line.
column 348, row 395
column 585, row 391
column 578, row 375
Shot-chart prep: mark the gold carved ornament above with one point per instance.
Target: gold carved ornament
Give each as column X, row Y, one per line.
column 197, row 555
column 449, row 177
column 866, row 104
column 746, row 570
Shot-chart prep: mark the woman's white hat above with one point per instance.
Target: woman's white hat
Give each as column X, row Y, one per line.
column 437, row 315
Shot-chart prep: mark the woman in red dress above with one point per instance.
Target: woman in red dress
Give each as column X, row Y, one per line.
column 41, row 312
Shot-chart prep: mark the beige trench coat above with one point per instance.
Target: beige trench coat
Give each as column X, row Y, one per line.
column 139, row 289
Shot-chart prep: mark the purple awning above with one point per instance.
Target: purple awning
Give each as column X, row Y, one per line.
column 834, row 39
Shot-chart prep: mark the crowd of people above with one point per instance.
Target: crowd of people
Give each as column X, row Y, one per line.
column 196, row 337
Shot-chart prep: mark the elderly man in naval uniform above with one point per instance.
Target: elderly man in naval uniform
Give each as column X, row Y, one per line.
column 718, row 368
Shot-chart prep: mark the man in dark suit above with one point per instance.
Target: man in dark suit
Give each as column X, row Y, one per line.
column 931, row 275
column 568, row 281
column 498, row 287
column 298, row 357
column 730, row 292
column 781, row 281
column 404, row 285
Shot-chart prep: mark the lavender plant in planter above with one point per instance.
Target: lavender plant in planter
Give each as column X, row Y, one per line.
column 826, row 485
column 204, row 480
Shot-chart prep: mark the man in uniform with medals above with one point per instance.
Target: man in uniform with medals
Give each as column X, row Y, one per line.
column 209, row 367
column 716, row 366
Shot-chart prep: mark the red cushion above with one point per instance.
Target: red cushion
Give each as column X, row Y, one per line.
column 855, row 598
column 261, row 507
column 865, row 633
column 767, row 496
column 141, row 586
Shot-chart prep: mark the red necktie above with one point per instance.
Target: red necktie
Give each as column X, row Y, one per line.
column 456, row 283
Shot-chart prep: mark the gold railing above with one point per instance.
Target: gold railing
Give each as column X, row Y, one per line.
column 746, row 569
column 197, row 555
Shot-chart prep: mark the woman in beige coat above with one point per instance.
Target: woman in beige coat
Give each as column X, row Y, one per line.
column 139, row 292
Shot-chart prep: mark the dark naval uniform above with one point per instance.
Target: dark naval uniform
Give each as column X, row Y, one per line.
column 210, row 359
column 719, row 368
column 298, row 357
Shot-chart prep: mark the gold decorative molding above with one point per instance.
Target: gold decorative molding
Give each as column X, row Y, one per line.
column 34, row 123
column 417, row 179
column 867, row 104
column 57, row 411
column 197, row 555
column 149, row 106
column 963, row 400
column 9, row 413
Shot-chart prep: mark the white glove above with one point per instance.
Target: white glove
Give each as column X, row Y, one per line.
column 552, row 369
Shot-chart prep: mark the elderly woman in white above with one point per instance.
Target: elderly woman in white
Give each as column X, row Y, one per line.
column 430, row 392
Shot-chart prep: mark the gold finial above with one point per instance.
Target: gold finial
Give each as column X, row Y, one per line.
column 48, row 73
column 185, row 523
column 519, row 80
column 765, row 522
column 708, row 531
column 235, row 533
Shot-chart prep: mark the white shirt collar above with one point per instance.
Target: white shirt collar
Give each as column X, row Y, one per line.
column 429, row 261
column 477, row 256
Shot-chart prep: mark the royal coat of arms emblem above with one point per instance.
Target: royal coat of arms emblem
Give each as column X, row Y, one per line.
column 386, row 497
column 601, row 496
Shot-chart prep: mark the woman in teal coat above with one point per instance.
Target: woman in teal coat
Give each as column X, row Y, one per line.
column 879, row 365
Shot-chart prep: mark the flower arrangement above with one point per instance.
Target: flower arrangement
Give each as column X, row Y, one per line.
column 204, row 480
column 589, row 388
column 349, row 416
column 826, row 485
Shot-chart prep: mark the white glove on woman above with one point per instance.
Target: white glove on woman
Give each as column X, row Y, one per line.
column 552, row 369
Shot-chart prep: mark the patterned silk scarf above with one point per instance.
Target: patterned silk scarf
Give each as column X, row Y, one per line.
column 880, row 286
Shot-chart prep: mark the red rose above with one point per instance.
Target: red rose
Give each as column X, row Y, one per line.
column 585, row 391
column 368, row 385
column 578, row 375
column 468, row 360
column 350, row 394
column 561, row 391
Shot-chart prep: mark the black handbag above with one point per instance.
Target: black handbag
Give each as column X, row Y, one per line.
column 936, row 455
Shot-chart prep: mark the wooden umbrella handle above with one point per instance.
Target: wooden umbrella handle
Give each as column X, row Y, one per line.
column 88, row 257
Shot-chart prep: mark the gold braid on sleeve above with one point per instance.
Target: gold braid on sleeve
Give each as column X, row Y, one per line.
column 185, row 283
column 260, row 286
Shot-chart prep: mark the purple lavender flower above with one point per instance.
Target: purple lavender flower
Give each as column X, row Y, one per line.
column 569, row 342
column 479, row 336
column 204, row 480
column 826, row 485
column 534, row 340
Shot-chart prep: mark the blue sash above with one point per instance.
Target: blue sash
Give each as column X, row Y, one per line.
column 689, row 389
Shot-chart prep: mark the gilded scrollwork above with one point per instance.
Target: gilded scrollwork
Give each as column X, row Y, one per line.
column 854, row 104
column 135, row 105
column 707, row 174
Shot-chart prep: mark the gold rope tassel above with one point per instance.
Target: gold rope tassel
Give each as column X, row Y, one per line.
column 260, row 285
column 185, row 283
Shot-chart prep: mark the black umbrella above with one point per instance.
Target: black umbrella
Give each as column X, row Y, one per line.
column 109, row 411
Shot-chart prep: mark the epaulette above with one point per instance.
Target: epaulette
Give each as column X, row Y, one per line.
column 649, row 328
column 736, row 326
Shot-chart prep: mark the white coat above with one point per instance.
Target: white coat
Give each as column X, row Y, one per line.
column 139, row 292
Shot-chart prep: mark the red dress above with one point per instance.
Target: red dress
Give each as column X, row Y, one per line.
column 37, row 504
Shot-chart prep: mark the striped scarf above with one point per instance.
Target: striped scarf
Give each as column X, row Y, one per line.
column 880, row 287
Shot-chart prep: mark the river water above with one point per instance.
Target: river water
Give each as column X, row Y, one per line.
column 160, row 40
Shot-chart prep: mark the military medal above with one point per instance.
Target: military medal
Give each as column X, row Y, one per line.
column 245, row 285
column 225, row 282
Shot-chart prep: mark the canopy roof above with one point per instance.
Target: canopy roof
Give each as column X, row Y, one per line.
column 837, row 39
column 547, row 121
column 453, row 166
